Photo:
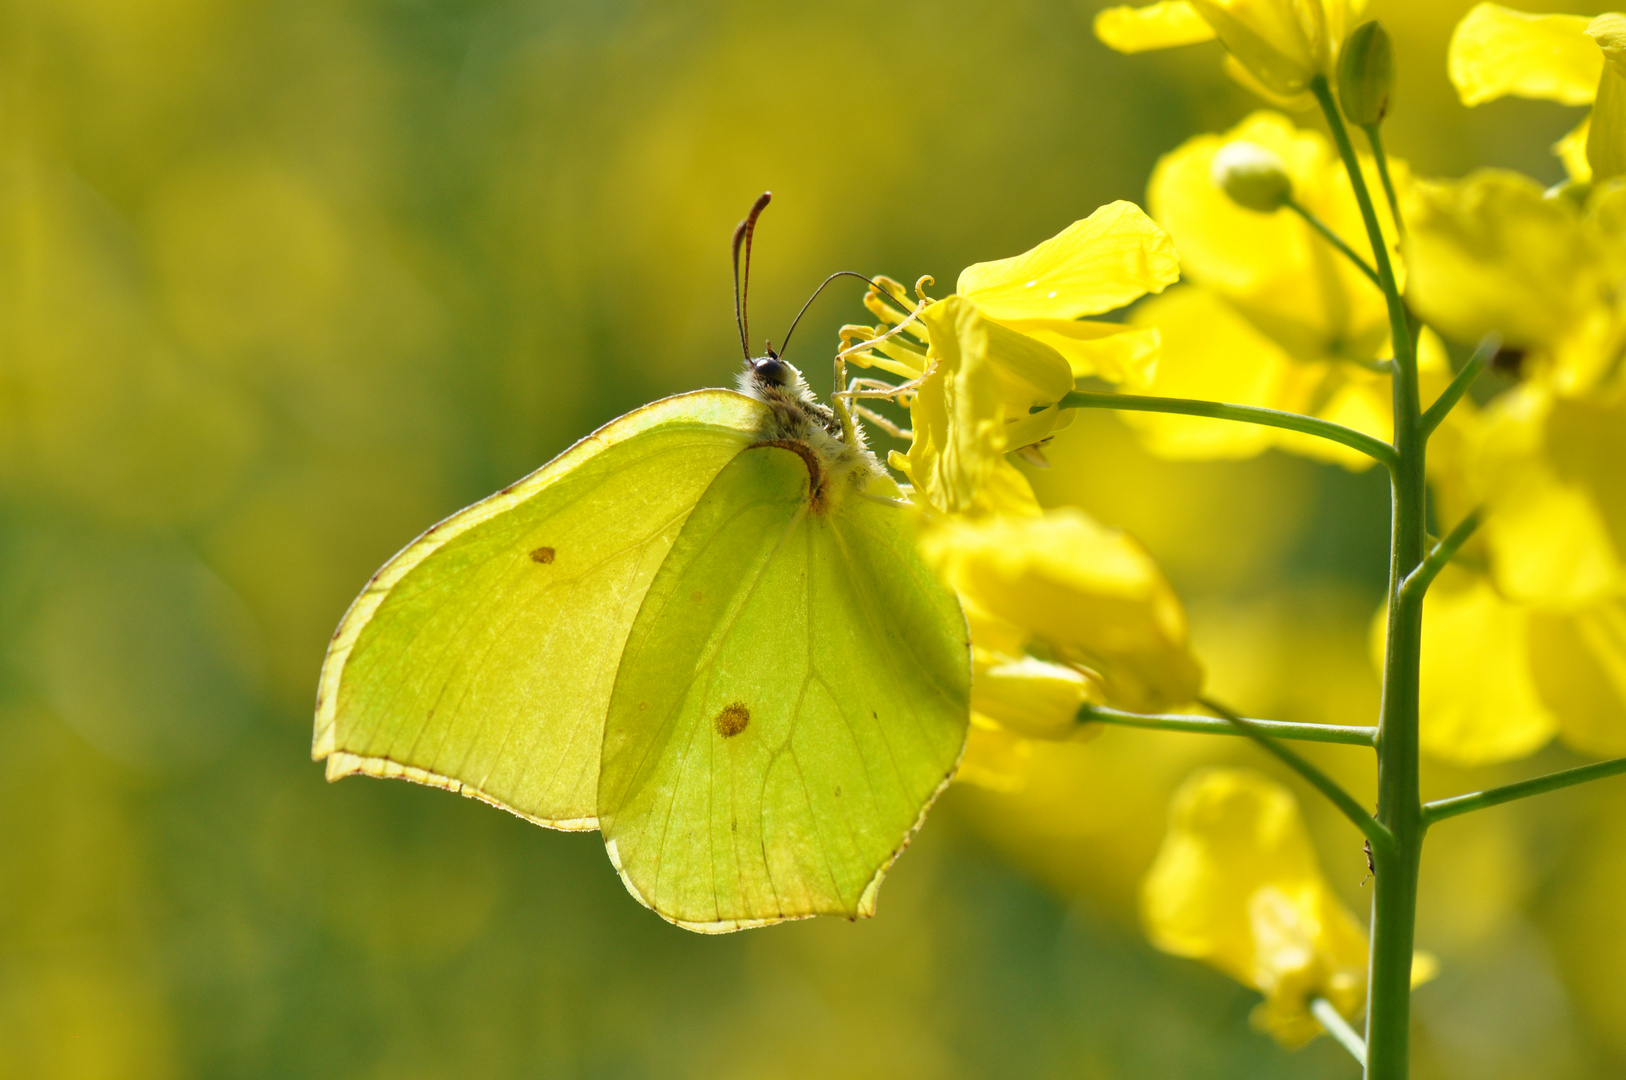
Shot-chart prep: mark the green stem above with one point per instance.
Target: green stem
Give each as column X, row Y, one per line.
column 1419, row 579
column 1440, row 809
column 1343, row 800
column 1488, row 345
column 1335, row 240
column 1400, row 807
column 1208, row 725
column 1328, row 1016
column 1376, row 449
column 1376, row 139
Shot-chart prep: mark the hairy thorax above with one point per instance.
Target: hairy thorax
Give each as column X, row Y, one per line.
column 799, row 422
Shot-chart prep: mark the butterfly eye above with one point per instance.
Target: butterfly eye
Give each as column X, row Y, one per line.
column 770, row 369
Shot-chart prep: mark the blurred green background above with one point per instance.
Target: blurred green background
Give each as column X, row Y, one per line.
column 284, row 283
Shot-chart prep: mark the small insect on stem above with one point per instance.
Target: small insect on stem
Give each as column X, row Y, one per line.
column 1370, row 869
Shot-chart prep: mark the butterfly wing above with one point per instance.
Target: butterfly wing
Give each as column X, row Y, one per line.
column 793, row 696
column 481, row 658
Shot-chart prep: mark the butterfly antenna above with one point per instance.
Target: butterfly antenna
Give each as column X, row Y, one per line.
column 785, row 341
column 742, row 286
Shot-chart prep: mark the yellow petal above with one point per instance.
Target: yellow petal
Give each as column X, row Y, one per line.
column 1606, row 141
column 1116, row 352
column 974, row 403
column 1579, row 661
column 1549, row 474
column 1300, row 102
column 1571, row 151
column 1236, row 884
column 1114, row 256
column 1031, row 697
column 1496, row 51
column 994, row 757
column 1282, row 43
column 1478, row 702
column 1090, row 594
column 1156, row 26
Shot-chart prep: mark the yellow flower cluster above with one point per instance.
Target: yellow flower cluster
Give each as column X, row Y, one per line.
column 1063, row 610
column 1524, row 634
column 1527, row 636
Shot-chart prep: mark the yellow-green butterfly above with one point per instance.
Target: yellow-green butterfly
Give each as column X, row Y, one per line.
column 703, row 630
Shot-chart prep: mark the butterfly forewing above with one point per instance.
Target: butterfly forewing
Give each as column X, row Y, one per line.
column 482, row 657
column 792, row 697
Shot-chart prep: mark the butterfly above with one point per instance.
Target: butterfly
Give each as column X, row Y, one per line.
column 703, row 630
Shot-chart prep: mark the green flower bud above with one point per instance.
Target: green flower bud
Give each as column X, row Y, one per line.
column 1366, row 75
column 1252, row 176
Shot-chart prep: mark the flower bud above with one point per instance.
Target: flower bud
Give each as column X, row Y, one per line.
column 1252, row 176
column 1366, row 75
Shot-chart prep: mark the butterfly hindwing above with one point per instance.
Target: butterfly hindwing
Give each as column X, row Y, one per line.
column 791, row 698
column 481, row 658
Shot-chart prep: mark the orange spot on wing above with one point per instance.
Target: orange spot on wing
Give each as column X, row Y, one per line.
column 542, row 555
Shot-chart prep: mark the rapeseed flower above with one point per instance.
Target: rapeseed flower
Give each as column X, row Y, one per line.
column 1236, row 885
column 1500, row 679
column 1491, row 254
column 1063, row 611
column 1274, row 47
column 1571, row 59
column 1068, row 590
column 1009, row 339
column 1272, row 315
column 1524, row 635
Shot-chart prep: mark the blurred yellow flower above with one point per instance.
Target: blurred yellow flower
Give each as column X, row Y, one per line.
column 1011, row 338
column 1571, row 59
column 1274, row 46
column 1500, row 679
column 1273, row 316
column 1490, row 253
column 1524, row 636
column 1237, row 885
column 1075, row 593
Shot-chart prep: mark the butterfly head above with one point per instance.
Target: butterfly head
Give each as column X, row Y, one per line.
column 770, row 369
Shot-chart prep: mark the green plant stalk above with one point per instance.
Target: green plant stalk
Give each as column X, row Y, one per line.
column 1400, row 808
column 1335, row 240
column 1376, row 139
column 1442, row 553
column 1376, row 449
column 1440, row 809
column 1210, row 725
column 1377, row 836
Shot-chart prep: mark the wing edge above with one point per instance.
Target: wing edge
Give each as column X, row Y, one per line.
column 342, row 763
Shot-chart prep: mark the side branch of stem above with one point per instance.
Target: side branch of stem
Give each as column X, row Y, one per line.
column 1208, row 725
column 1418, row 581
column 1336, row 241
column 1343, row 800
column 1488, row 345
column 1376, row 449
column 1440, row 809
column 1328, row 1016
